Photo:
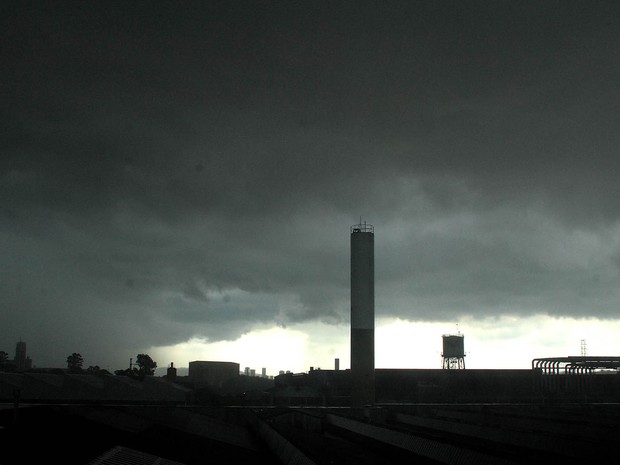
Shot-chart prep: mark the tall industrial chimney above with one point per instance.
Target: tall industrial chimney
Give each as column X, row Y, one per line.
column 362, row 315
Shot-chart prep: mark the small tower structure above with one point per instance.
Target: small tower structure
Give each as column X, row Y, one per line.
column 453, row 354
column 171, row 372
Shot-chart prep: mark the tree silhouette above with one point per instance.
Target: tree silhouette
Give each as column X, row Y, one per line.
column 126, row 372
column 74, row 362
column 146, row 365
column 96, row 370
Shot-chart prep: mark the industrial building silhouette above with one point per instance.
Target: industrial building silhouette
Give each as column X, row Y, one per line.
column 419, row 416
column 562, row 409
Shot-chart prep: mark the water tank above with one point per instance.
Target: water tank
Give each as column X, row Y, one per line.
column 453, row 346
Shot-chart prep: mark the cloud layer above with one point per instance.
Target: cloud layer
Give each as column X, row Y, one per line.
column 192, row 170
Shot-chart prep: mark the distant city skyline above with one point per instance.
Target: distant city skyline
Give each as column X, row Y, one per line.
column 488, row 344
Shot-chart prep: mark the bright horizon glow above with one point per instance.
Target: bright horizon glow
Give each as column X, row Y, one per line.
column 492, row 343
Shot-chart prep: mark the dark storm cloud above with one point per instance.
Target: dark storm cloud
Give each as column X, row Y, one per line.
column 192, row 169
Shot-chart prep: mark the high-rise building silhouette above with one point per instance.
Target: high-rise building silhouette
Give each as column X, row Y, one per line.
column 20, row 356
column 362, row 315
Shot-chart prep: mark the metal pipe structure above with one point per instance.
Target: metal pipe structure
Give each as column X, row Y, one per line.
column 569, row 373
column 362, row 315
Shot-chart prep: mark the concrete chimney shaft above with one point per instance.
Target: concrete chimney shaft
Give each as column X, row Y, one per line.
column 362, row 315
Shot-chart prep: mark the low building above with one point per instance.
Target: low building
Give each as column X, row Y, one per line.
column 214, row 375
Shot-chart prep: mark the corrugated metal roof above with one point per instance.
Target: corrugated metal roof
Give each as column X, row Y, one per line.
column 87, row 387
column 120, row 455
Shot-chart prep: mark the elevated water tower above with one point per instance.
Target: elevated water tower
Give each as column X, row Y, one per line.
column 453, row 354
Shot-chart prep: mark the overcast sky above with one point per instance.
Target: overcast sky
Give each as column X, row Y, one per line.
column 181, row 171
